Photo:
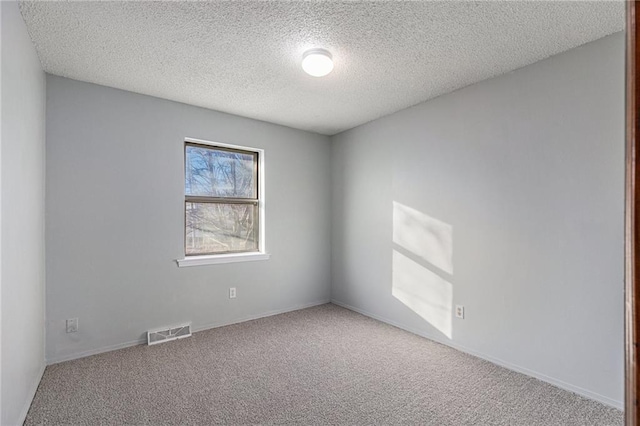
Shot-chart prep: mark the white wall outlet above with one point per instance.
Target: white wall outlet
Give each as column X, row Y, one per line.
column 460, row 311
column 72, row 325
column 232, row 293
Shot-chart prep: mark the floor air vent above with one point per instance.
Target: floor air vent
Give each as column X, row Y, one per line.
column 162, row 335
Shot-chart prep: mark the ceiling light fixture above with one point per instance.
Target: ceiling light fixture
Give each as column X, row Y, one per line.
column 317, row 62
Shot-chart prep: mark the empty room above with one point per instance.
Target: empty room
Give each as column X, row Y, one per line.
column 319, row 212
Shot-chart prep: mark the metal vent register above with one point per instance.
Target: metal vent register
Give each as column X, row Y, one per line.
column 168, row 334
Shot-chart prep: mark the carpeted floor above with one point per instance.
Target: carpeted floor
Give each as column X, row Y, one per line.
column 323, row 365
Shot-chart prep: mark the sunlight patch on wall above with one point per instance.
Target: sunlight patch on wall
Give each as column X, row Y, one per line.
column 424, row 236
column 422, row 266
column 423, row 291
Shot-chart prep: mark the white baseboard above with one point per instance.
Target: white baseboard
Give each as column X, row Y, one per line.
column 103, row 349
column 258, row 316
column 559, row 383
column 32, row 393
column 141, row 341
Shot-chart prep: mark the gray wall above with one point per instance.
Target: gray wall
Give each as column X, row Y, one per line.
column 505, row 197
column 22, row 217
column 115, row 217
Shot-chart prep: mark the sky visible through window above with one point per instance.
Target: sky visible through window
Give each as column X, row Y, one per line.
column 217, row 173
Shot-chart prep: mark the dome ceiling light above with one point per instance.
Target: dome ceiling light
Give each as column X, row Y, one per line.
column 317, row 62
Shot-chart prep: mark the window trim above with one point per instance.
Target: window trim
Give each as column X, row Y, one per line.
column 229, row 257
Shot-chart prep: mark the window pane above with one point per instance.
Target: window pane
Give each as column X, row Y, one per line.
column 221, row 227
column 214, row 172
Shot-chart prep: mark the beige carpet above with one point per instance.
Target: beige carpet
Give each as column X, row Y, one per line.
column 323, row 365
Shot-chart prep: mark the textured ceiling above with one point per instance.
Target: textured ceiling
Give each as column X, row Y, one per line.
column 244, row 57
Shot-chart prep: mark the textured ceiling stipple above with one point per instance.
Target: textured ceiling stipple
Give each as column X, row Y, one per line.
column 243, row 57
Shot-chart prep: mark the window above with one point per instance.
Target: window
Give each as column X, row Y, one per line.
column 222, row 200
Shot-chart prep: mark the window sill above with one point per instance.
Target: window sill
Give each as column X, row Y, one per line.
column 222, row 258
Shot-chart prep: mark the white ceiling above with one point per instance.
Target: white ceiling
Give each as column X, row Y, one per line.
column 243, row 57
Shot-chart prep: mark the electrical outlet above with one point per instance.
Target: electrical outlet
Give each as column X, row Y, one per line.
column 460, row 311
column 232, row 293
column 72, row 325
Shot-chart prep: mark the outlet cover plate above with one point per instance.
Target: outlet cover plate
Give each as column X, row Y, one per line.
column 72, row 325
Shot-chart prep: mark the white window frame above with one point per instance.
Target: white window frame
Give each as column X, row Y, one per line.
column 261, row 254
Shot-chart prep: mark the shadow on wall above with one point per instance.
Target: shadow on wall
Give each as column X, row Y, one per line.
column 422, row 268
